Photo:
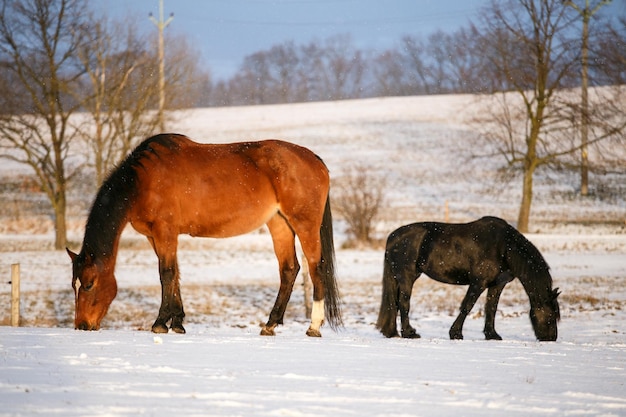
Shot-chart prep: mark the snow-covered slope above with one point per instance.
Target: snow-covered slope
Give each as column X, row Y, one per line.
column 223, row 367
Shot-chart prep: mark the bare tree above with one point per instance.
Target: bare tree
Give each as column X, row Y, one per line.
column 110, row 59
column 438, row 52
column 389, row 74
column 467, row 68
column 122, row 90
column 188, row 82
column 310, row 72
column 403, row 70
column 608, row 54
column 38, row 46
column 416, row 62
column 285, row 62
column 133, row 94
column 343, row 69
column 254, row 84
column 524, row 43
column 531, row 48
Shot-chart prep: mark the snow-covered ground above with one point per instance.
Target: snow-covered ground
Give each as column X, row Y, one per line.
column 223, row 367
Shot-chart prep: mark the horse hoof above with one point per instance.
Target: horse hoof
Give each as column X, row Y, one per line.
column 456, row 336
column 179, row 329
column 159, row 328
column 313, row 333
column 493, row 336
column 410, row 333
column 267, row 331
column 390, row 334
column 177, row 325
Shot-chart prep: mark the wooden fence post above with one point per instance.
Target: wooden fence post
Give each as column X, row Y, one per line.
column 15, row 295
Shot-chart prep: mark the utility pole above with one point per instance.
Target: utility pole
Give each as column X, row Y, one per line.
column 586, row 13
column 161, row 24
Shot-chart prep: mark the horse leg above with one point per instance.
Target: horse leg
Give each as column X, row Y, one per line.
column 491, row 306
column 283, row 239
column 317, row 311
column 312, row 249
column 474, row 291
column 171, row 301
column 405, row 287
column 177, row 312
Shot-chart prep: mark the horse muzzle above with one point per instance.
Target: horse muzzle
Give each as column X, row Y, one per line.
column 87, row 326
column 549, row 338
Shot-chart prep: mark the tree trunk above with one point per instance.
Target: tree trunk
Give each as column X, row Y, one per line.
column 60, row 226
column 527, row 196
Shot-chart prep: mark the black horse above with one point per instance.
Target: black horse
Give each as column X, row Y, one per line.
column 485, row 254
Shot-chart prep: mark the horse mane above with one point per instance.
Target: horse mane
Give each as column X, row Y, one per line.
column 118, row 192
column 525, row 260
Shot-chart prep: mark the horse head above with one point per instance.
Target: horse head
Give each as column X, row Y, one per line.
column 95, row 288
column 544, row 318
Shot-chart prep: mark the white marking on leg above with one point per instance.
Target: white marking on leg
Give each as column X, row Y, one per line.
column 317, row 314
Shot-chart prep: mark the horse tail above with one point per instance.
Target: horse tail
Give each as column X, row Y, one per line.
column 332, row 302
column 387, row 316
column 399, row 273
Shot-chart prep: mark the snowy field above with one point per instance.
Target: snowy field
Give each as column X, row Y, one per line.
column 222, row 367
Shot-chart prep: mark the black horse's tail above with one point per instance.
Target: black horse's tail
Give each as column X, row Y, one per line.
column 401, row 254
column 388, row 314
column 332, row 302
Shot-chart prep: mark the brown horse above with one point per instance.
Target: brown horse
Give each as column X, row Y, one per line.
column 170, row 185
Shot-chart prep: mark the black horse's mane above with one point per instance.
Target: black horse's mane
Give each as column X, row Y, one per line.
column 115, row 196
column 524, row 258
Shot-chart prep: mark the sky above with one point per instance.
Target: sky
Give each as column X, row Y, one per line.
column 224, row 32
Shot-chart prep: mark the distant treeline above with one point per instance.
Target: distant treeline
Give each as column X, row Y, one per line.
column 442, row 63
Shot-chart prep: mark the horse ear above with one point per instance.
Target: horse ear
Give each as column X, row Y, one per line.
column 556, row 293
column 71, row 254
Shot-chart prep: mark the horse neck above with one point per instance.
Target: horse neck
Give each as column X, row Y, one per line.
column 103, row 253
column 538, row 287
column 528, row 265
column 106, row 221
